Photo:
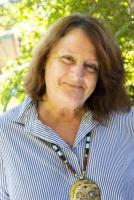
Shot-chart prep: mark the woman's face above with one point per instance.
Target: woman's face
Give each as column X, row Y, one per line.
column 71, row 70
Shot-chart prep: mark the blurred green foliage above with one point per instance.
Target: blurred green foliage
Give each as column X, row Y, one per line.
column 31, row 18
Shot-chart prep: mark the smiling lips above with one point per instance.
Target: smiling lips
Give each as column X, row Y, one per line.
column 73, row 86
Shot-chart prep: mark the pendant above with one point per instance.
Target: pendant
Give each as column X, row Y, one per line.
column 85, row 190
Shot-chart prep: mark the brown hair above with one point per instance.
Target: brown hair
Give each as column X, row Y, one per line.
column 110, row 94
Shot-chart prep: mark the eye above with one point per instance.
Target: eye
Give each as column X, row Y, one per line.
column 91, row 67
column 67, row 59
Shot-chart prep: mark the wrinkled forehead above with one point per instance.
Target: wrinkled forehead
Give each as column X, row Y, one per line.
column 75, row 42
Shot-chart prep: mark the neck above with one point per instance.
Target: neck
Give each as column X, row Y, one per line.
column 59, row 112
column 64, row 121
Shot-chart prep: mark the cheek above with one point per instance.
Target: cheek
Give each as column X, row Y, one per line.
column 50, row 71
column 91, row 81
column 53, row 74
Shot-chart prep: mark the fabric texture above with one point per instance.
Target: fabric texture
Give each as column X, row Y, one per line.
column 31, row 170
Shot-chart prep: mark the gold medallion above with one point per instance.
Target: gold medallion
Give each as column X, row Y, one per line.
column 85, row 190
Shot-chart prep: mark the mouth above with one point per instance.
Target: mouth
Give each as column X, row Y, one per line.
column 75, row 86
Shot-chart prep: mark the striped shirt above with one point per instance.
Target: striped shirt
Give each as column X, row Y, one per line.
column 31, row 170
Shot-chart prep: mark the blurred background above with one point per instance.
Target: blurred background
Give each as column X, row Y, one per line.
column 24, row 22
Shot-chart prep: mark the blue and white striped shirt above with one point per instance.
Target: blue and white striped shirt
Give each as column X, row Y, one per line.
column 31, row 170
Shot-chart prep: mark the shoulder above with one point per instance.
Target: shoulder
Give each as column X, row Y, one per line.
column 17, row 114
column 124, row 120
column 10, row 115
column 125, row 115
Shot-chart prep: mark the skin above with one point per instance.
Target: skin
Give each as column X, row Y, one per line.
column 71, row 74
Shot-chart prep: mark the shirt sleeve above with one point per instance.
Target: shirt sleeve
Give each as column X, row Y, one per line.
column 3, row 186
column 129, row 185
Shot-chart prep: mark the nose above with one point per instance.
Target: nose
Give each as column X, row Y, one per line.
column 77, row 71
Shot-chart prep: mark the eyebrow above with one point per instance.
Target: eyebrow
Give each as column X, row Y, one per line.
column 71, row 52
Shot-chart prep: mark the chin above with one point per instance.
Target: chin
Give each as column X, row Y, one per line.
column 73, row 104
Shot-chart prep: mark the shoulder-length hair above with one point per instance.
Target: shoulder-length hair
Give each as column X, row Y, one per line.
column 109, row 94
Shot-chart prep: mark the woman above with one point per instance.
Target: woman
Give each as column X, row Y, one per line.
column 76, row 105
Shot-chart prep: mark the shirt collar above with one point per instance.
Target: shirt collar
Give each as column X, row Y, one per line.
column 26, row 115
column 21, row 114
column 88, row 123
